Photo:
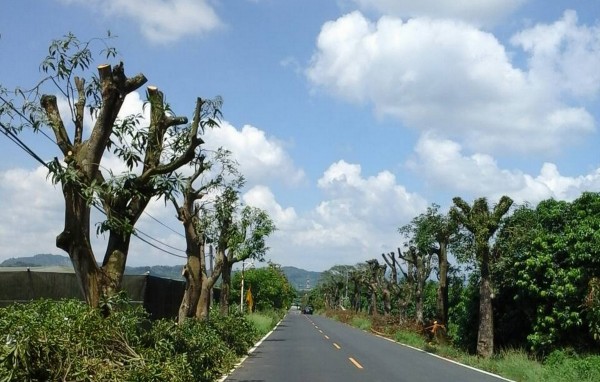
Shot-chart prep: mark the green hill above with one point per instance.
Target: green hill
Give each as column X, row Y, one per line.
column 299, row 278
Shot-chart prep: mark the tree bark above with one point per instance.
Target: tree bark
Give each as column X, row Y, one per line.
column 485, row 334
column 442, row 292
column 225, row 288
column 193, row 285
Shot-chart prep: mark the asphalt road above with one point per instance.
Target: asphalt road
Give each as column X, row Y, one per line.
column 314, row 348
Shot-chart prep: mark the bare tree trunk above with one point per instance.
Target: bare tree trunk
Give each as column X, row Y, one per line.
column 225, row 288
column 485, row 334
column 442, row 292
column 373, row 307
column 193, row 281
column 419, row 303
column 387, row 302
column 204, row 300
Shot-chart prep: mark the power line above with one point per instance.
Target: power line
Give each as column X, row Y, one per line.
column 164, row 225
column 166, row 245
column 15, row 139
column 26, row 118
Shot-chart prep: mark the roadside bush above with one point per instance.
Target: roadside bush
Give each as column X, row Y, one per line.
column 235, row 330
column 66, row 340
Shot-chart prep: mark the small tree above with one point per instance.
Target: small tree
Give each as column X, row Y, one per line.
column 242, row 238
column 483, row 224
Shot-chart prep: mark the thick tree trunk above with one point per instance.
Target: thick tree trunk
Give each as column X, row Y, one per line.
column 485, row 334
column 204, row 299
column 419, row 303
column 373, row 307
column 442, row 292
column 387, row 302
column 225, row 288
column 193, row 281
column 75, row 240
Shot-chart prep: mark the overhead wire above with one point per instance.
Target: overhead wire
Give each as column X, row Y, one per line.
column 15, row 139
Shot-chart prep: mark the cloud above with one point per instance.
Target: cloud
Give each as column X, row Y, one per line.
column 443, row 164
column 356, row 220
column 161, row 21
column 458, row 81
column 31, row 211
column 261, row 158
column 563, row 54
column 262, row 197
column 481, row 12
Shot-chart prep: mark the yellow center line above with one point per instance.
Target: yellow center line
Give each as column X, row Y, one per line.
column 336, row 345
column 358, row 365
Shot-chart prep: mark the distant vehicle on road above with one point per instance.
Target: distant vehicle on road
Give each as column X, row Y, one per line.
column 307, row 310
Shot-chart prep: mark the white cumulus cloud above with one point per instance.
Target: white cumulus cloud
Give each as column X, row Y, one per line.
column 484, row 12
column 458, row 81
column 261, row 158
column 444, row 164
column 161, row 21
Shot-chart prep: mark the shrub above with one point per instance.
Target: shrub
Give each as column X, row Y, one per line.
column 235, row 330
column 66, row 340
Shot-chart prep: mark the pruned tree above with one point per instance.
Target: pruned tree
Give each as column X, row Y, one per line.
column 374, row 281
column 152, row 152
column 418, row 270
column 332, row 283
column 434, row 233
column 483, row 224
column 199, row 223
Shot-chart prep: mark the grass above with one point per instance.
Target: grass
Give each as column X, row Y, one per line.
column 264, row 322
column 361, row 323
column 514, row 364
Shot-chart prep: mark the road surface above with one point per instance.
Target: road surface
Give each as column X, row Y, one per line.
column 314, row 348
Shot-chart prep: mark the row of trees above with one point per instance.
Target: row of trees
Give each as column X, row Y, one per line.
column 523, row 275
column 162, row 158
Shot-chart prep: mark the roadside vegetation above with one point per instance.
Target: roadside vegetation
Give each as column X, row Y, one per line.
column 512, row 289
column 67, row 340
column 515, row 364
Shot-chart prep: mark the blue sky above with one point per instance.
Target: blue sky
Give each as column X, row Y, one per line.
column 348, row 117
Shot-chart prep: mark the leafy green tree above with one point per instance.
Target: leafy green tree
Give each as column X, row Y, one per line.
column 432, row 233
column 269, row 286
column 152, row 154
column 483, row 224
column 245, row 238
column 332, row 284
column 553, row 252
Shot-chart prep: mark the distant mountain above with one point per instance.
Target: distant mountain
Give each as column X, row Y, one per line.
column 47, row 260
column 300, row 278
column 40, row 260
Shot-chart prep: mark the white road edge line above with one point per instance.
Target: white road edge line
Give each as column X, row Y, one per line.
column 224, row 377
column 440, row 357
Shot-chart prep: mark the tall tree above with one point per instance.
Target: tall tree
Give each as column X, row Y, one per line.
column 245, row 238
column 551, row 264
column 374, row 280
column 152, row 155
column 435, row 232
column 483, row 224
column 199, row 227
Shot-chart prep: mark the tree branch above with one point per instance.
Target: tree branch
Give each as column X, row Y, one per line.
column 79, row 110
column 50, row 106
